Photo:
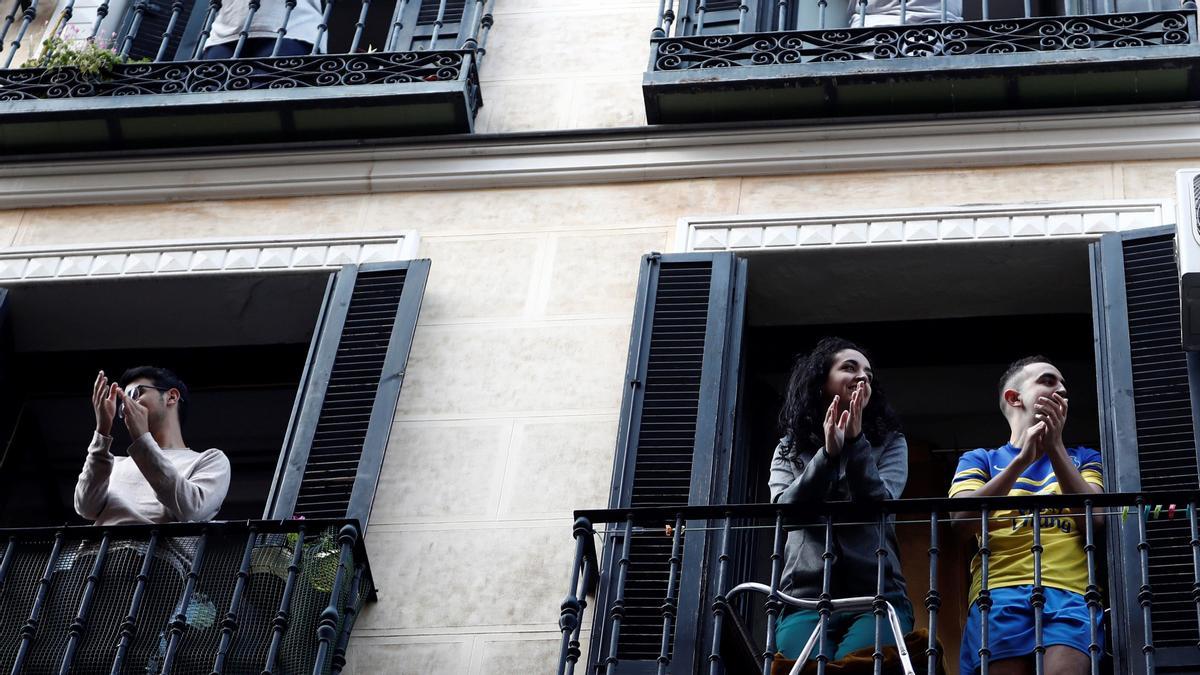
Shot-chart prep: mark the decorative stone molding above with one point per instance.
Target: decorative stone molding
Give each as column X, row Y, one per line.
column 921, row 226
column 215, row 256
column 591, row 157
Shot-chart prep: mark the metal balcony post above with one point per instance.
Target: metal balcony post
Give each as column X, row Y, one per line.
column 398, row 27
column 279, row 625
column 349, row 614
column 179, row 621
column 670, row 604
column 720, row 606
column 879, row 607
column 6, row 561
column 9, row 20
column 471, row 39
column 774, row 603
column 1145, row 593
column 229, row 625
column 79, row 625
column 253, row 8
column 360, row 25
column 617, row 613
column 27, row 17
column 437, row 24
column 570, row 612
column 128, row 628
column 1037, row 596
column 327, row 627
column 933, row 599
column 139, row 11
column 29, row 630
column 322, row 27
column 985, row 596
column 1092, row 596
column 485, row 29
column 825, row 607
column 176, row 11
column 288, row 7
column 214, row 6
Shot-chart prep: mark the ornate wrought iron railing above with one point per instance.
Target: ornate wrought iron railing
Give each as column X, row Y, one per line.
column 1145, row 521
column 819, row 31
column 432, row 53
column 222, row 597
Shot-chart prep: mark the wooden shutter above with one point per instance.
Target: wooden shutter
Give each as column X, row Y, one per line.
column 155, row 20
column 674, row 442
column 335, row 444
column 419, row 19
column 720, row 17
column 1150, row 443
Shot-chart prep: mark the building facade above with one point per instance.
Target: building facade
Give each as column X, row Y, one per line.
column 589, row 259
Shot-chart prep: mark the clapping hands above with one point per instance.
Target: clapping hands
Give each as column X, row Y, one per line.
column 847, row 424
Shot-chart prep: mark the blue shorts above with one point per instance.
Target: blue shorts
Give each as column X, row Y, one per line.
column 1010, row 625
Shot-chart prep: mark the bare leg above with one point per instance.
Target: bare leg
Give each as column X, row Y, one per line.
column 1063, row 660
column 1022, row 665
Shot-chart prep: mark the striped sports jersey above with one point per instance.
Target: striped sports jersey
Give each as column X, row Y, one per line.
column 1011, row 532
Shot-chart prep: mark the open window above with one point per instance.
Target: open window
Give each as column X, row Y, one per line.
column 711, row 348
column 310, row 362
column 387, row 25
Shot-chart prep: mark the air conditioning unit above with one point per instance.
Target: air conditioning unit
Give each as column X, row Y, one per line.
column 1187, row 250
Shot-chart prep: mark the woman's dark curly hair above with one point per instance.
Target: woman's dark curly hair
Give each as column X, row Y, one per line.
column 802, row 417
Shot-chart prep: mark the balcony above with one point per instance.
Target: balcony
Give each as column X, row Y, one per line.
column 729, row 60
column 627, row 589
column 378, row 69
column 253, row 596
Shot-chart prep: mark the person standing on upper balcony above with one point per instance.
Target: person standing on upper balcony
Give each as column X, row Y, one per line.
column 887, row 12
column 842, row 441
column 1033, row 397
column 161, row 480
column 301, row 31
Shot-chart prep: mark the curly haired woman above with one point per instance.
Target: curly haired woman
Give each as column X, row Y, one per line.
column 842, row 442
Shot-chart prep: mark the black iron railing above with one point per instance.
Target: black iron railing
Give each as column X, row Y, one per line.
column 786, row 32
column 254, row 596
column 411, row 46
column 1127, row 518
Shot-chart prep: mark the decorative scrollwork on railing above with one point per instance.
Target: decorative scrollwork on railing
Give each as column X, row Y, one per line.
column 189, row 77
column 1109, row 31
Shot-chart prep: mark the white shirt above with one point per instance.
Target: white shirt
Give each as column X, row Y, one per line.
column 151, row 485
column 302, row 24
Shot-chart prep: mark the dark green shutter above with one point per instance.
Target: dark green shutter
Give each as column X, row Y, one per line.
column 1147, row 426
column 343, row 415
column 154, row 23
column 674, row 442
column 720, row 17
column 419, row 20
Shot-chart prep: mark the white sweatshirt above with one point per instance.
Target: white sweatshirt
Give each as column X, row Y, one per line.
column 303, row 23
column 151, row 485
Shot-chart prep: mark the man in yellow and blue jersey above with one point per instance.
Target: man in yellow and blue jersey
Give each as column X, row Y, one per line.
column 1033, row 398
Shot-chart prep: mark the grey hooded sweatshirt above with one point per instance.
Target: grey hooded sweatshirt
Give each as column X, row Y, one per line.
column 861, row 473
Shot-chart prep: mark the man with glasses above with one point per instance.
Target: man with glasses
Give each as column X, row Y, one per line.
column 161, row 480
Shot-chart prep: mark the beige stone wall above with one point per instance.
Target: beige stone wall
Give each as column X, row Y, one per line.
column 507, row 419
column 582, row 62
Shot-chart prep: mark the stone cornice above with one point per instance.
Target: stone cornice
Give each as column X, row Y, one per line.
column 202, row 256
column 921, row 226
column 519, row 160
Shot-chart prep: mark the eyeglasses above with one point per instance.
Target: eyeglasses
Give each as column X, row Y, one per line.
column 135, row 391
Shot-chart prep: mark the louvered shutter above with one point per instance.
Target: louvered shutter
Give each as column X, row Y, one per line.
column 1147, row 425
column 419, row 21
column 720, row 17
column 343, row 414
column 155, row 20
column 674, row 443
